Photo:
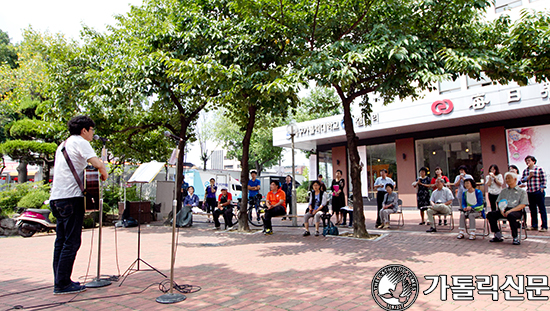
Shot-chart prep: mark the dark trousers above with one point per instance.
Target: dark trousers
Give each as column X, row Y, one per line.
column 227, row 215
column 379, row 200
column 289, row 205
column 276, row 211
column 345, row 213
column 513, row 217
column 70, row 216
column 537, row 199
column 211, row 205
column 493, row 201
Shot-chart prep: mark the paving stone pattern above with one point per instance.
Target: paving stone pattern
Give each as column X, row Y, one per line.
column 284, row 271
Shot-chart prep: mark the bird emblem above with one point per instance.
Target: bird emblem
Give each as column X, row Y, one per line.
column 395, row 288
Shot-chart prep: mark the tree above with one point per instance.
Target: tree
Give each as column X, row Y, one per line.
column 28, row 137
column 262, row 152
column 320, row 103
column 205, row 132
column 8, row 54
column 262, row 87
column 159, row 62
column 516, row 51
column 388, row 48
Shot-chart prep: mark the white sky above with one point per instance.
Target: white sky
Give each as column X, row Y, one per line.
column 67, row 17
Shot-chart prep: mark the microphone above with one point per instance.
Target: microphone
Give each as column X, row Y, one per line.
column 97, row 137
column 168, row 134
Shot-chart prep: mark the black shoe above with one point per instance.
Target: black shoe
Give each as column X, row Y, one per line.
column 516, row 241
column 439, row 224
column 306, row 233
column 284, row 218
column 432, row 229
column 71, row 289
column 422, row 223
column 495, row 239
column 445, row 222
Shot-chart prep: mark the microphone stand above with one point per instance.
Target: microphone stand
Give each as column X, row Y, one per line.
column 98, row 282
column 172, row 297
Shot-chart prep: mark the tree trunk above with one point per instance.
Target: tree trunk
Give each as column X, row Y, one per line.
column 243, row 216
column 47, row 172
column 179, row 173
column 259, row 168
column 22, row 172
column 359, row 227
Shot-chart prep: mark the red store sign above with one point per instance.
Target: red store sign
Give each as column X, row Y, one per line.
column 440, row 107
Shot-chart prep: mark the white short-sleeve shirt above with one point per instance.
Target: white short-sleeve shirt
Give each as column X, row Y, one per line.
column 64, row 184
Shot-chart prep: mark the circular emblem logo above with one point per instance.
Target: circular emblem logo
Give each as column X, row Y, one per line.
column 440, row 107
column 395, row 287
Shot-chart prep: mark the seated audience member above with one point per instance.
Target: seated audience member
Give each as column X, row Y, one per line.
column 472, row 207
column 389, row 206
column 225, row 208
column 511, row 202
column 440, row 201
column 317, row 204
column 184, row 218
column 275, row 203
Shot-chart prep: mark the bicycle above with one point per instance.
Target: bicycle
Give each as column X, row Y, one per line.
column 254, row 208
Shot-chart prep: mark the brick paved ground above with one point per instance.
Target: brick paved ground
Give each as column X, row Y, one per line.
column 284, row 271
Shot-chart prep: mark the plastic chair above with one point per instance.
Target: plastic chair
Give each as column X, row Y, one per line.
column 400, row 219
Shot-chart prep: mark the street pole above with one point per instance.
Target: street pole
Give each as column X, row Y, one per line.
column 293, row 205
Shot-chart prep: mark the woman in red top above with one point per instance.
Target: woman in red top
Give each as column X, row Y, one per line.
column 439, row 174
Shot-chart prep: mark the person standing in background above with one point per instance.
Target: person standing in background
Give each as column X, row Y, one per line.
column 494, row 182
column 423, row 194
column 323, row 186
column 338, row 196
column 380, row 186
column 535, row 178
column 287, row 188
column 210, row 197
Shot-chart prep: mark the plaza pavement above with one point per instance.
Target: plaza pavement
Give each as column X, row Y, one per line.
column 284, row 271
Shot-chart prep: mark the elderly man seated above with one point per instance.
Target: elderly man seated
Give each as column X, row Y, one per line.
column 511, row 202
column 440, row 201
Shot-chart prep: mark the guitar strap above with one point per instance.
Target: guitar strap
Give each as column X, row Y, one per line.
column 71, row 167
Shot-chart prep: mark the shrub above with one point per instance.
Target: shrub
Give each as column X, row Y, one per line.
column 10, row 198
column 88, row 223
column 33, row 199
column 301, row 195
column 113, row 194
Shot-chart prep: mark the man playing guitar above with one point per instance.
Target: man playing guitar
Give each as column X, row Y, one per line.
column 67, row 199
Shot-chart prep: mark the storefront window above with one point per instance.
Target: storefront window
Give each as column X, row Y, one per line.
column 325, row 166
column 380, row 157
column 449, row 153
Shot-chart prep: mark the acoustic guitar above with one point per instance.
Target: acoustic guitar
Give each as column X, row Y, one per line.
column 92, row 189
